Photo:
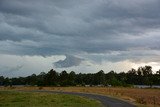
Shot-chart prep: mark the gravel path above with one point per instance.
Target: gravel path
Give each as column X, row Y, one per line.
column 106, row 101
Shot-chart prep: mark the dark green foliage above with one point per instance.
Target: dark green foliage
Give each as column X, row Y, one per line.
column 72, row 78
column 51, row 78
column 99, row 78
column 64, row 81
column 31, row 80
column 141, row 76
column 2, row 80
column 41, row 79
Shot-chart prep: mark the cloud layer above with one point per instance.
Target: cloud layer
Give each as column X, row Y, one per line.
column 97, row 26
column 96, row 30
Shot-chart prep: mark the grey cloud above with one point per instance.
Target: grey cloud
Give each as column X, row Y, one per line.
column 58, row 27
column 9, row 71
column 69, row 61
column 134, row 55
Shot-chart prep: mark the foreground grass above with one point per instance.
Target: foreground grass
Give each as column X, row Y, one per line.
column 141, row 97
column 25, row 99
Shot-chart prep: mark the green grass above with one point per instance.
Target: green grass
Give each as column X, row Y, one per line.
column 26, row 99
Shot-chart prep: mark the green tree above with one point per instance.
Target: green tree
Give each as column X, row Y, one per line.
column 51, row 78
column 1, row 80
column 147, row 70
column 80, row 79
column 147, row 75
column 31, row 80
column 6, row 81
column 71, row 78
column 99, row 78
column 64, row 78
column 41, row 79
column 109, row 76
column 131, row 77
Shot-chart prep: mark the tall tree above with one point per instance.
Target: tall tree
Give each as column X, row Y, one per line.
column 51, row 78
column 99, row 78
column 147, row 75
column 147, row 70
column 64, row 78
column 1, row 80
column 131, row 77
column 71, row 78
column 41, row 79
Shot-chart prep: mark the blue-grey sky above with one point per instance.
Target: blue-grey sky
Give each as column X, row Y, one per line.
column 79, row 35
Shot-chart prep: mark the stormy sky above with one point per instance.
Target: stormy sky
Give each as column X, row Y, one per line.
column 80, row 35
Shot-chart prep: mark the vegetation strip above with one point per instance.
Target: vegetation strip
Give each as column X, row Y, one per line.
column 141, row 76
column 27, row 99
column 106, row 101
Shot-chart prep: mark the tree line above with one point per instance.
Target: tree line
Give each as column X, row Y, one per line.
column 141, row 76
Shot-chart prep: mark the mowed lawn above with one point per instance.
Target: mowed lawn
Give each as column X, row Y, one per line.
column 26, row 99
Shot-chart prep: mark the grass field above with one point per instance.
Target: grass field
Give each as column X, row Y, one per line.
column 141, row 97
column 24, row 99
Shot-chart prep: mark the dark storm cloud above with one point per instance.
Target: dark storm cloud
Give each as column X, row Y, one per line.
column 46, row 27
column 69, row 61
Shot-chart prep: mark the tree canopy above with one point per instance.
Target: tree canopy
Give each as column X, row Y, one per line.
column 141, row 76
